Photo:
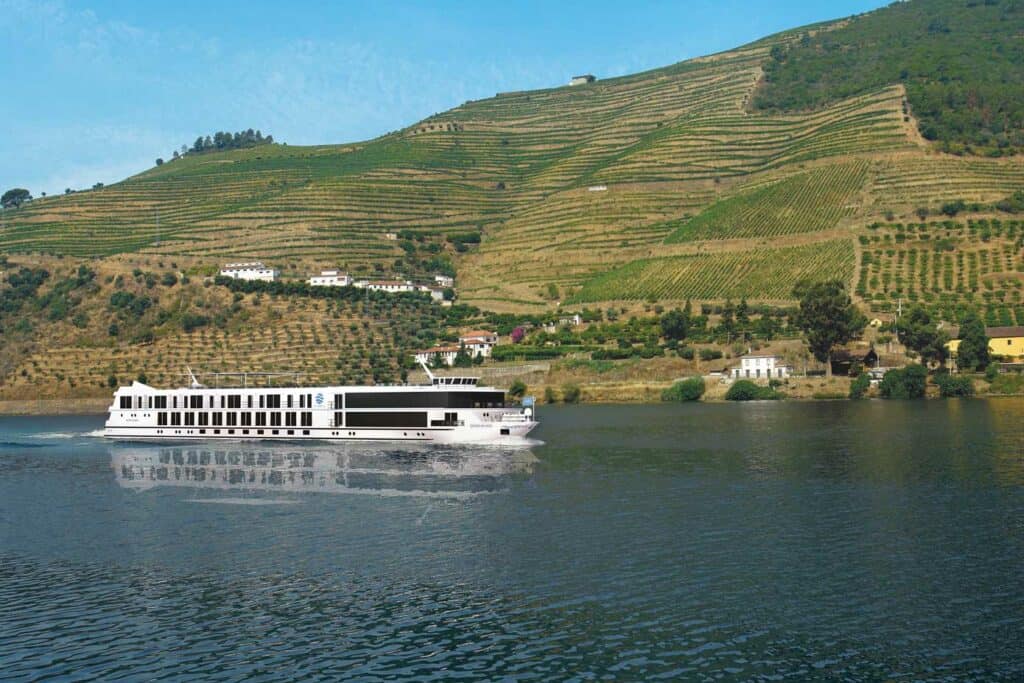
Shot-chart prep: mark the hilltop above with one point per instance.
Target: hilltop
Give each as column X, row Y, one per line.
column 806, row 154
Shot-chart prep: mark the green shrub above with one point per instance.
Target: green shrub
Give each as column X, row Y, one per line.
column 690, row 389
column 612, row 354
column 1009, row 383
column 192, row 321
column 571, row 393
column 710, row 354
column 549, row 395
column 951, row 386
column 686, row 352
column 905, row 383
column 517, row 389
column 745, row 390
column 860, row 386
column 992, row 371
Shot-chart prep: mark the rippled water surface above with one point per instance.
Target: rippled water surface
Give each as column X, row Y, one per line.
column 868, row 541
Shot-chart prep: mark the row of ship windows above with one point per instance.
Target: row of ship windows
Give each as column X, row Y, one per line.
column 273, row 432
column 230, row 432
column 229, row 401
column 393, row 399
column 403, row 420
column 218, row 419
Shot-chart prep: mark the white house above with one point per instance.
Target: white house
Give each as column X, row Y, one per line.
column 580, row 80
column 436, row 293
column 755, row 367
column 330, row 278
column 479, row 342
column 446, row 354
column 444, row 280
column 574, row 320
column 597, row 188
column 393, row 286
column 253, row 270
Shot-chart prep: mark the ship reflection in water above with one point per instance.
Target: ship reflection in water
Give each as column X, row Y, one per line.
column 347, row 469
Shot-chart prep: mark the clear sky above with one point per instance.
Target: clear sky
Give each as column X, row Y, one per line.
column 96, row 90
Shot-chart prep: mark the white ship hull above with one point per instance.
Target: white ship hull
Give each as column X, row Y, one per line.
column 470, row 434
column 448, row 411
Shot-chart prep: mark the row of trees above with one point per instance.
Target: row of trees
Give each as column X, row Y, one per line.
column 222, row 140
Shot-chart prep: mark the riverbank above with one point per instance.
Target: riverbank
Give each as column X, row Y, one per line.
column 602, row 392
column 59, row 406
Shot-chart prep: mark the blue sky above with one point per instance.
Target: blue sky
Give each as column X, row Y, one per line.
column 95, row 91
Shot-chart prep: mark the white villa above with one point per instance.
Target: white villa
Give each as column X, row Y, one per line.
column 392, row 286
column 447, row 355
column 330, row 278
column 756, row 367
column 444, row 280
column 254, row 270
column 479, row 342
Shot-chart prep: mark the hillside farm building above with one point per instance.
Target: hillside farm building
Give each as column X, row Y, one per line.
column 254, row 270
column 580, row 80
column 1005, row 342
column 479, row 342
column 393, row 286
column 330, row 278
column 757, row 367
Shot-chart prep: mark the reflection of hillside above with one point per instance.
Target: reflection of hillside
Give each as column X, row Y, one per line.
column 345, row 469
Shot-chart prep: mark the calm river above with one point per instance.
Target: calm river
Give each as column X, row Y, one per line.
column 857, row 541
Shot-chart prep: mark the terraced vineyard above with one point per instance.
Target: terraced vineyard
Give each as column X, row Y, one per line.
column 807, row 202
column 946, row 265
column 767, row 274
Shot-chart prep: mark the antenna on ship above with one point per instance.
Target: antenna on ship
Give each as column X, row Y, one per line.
column 426, row 370
column 193, row 382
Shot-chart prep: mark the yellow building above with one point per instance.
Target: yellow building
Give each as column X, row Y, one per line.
column 1005, row 342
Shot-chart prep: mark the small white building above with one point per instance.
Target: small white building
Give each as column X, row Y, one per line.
column 574, row 320
column 253, row 270
column 761, row 367
column 479, row 342
column 582, row 79
column 330, row 278
column 436, row 293
column 446, row 354
column 444, row 280
column 597, row 188
column 392, row 286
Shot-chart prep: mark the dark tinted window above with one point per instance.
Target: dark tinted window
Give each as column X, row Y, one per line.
column 412, row 420
column 426, row 399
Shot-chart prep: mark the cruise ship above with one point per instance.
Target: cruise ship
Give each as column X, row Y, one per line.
column 449, row 410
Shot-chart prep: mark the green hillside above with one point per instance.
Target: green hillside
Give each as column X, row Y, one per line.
column 962, row 62
column 730, row 175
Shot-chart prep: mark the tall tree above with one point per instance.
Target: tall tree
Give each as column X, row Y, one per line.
column 15, row 197
column 828, row 318
column 727, row 325
column 972, row 353
column 917, row 331
column 675, row 324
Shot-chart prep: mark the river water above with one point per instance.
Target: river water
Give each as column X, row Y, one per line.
column 858, row 541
